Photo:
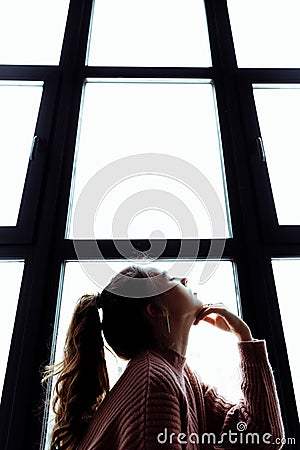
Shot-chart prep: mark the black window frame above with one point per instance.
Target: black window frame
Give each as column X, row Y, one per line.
column 23, row 231
column 39, row 238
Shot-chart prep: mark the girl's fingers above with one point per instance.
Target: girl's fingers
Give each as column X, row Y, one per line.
column 218, row 322
column 224, row 319
column 203, row 313
column 209, row 309
column 209, row 320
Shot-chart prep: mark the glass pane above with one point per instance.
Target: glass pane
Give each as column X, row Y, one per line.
column 32, row 32
column 139, row 33
column 19, row 106
column 10, row 282
column 286, row 273
column 266, row 32
column 221, row 370
column 171, row 197
column 278, row 109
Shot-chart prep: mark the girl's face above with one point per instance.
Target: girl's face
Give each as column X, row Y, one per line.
column 179, row 299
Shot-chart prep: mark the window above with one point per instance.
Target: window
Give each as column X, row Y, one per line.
column 170, row 33
column 158, row 131
column 287, row 285
column 121, row 118
column 19, row 109
column 274, row 42
column 11, row 277
column 77, row 282
column 19, row 36
column 277, row 108
column 222, row 370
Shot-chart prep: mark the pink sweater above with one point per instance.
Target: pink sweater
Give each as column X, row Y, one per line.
column 160, row 403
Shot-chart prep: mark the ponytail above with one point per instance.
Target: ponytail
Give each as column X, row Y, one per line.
column 82, row 378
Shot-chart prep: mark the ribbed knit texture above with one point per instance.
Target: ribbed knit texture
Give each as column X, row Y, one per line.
column 159, row 392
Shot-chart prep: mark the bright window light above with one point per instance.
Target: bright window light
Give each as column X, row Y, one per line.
column 266, row 33
column 177, row 118
column 10, row 281
column 19, row 107
column 286, row 273
column 278, row 109
column 32, row 32
column 149, row 33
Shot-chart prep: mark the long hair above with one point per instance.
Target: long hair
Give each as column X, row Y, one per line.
column 82, row 379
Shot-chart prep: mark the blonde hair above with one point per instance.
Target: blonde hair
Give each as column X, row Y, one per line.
column 82, row 379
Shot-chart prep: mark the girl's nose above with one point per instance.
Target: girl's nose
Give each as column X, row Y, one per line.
column 184, row 281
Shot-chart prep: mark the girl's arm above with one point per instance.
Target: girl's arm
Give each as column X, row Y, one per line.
column 256, row 418
column 255, row 422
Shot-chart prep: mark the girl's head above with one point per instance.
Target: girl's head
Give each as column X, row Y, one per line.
column 139, row 306
column 126, row 326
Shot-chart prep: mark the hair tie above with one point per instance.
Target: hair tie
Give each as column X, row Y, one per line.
column 98, row 301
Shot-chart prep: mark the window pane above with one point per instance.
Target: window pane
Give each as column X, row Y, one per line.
column 19, row 106
column 266, row 32
column 178, row 119
column 286, row 273
column 278, row 109
column 221, row 370
column 31, row 32
column 157, row 33
column 10, row 282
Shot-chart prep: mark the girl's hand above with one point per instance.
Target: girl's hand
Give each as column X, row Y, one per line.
column 218, row 315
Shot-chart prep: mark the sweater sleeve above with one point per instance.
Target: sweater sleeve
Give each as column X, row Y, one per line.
column 256, row 420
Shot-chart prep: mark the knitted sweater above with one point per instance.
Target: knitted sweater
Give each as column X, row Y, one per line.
column 160, row 403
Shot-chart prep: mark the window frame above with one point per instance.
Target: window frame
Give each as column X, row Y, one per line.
column 23, row 231
column 272, row 231
column 41, row 241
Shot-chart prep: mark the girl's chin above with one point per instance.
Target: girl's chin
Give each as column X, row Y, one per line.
column 200, row 304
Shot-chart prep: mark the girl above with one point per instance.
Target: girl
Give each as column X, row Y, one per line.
column 158, row 402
